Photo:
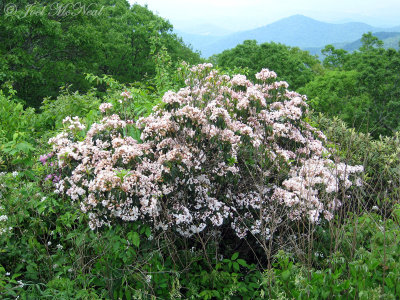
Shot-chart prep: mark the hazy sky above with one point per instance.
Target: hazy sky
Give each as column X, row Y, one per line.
column 246, row 14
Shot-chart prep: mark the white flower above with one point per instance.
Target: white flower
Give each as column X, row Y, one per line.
column 15, row 173
column 148, row 278
column 211, row 111
column 126, row 94
column 105, row 106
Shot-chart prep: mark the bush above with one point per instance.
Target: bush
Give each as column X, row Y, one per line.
column 380, row 158
column 17, row 132
column 53, row 111
column 370, row 270
column 221, row 153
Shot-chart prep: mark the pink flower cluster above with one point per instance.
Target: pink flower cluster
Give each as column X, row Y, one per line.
column 104, row 107
column 192, row 169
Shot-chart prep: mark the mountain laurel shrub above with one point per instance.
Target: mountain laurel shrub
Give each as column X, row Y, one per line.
column 380, row 158
column 221, row 152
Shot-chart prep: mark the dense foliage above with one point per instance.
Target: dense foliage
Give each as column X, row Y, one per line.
column 361, row 87
column 43, row 47
column 293, row 65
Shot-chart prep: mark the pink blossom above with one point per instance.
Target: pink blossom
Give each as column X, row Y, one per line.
column 105, row 107
column 192, row 170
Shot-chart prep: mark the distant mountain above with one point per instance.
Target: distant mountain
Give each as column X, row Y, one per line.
column 296, row 30
column 389, row 39
column 197, row 41
column 397, row 28
column 204, row 29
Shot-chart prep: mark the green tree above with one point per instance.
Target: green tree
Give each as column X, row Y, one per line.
column 369, row 42
column 379, row 76
column 53, row 43
column 334, row 58
column 293, row 65
column 362, row 88
column 337, row 94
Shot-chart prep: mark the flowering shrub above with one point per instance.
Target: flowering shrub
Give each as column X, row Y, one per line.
column 220, row 152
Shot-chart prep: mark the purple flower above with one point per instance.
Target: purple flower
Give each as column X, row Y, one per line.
column 43, row 159
column 56, row 178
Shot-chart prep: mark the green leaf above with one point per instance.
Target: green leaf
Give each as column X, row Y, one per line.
column 128, row 294
column 285, row 275
column 325, row 294
column 389, row 282
column 216, row 293
column 242, row 262
column 134, row 238
column 236, row 266
column 148, row 231
column 235, row 256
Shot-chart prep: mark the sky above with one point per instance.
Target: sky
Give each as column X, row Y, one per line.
column 236, row 15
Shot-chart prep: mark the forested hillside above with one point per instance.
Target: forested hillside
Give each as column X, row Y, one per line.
column 130, row 168
column 42, row 51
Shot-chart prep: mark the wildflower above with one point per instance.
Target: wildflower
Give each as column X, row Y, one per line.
column 43, row 159
column 20, row 284
column 148, row 278
column 126, row 94
column 56, row 178
column 105, row 107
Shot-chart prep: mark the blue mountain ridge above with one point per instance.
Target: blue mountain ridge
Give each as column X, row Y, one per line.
column 297, row 30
